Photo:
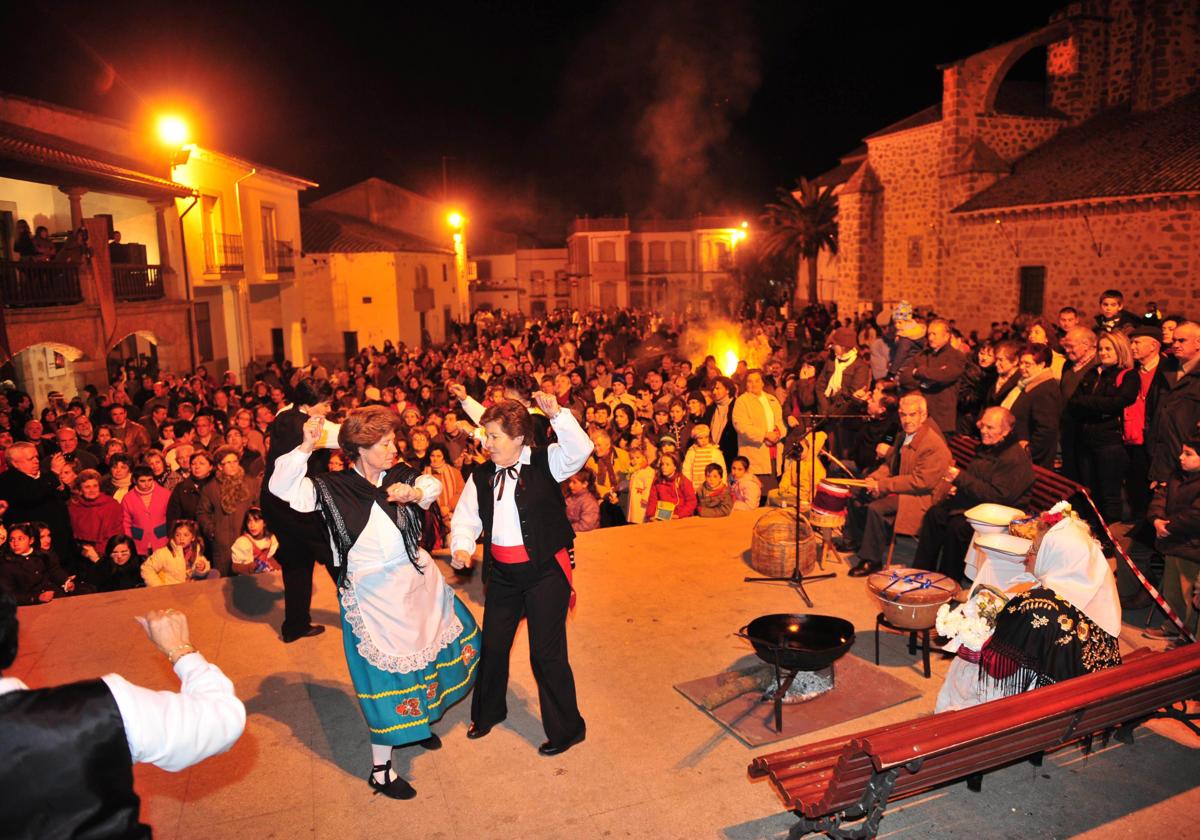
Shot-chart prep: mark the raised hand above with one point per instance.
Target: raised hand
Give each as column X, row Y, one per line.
column 548, row 403
column 312, row 433
column 457, row 390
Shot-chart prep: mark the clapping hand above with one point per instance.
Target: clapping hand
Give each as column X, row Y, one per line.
column 313, row 428
column 548, row 403
column 57, row 463
column 403, row 493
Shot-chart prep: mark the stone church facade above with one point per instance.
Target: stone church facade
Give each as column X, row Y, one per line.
column 1004, row 199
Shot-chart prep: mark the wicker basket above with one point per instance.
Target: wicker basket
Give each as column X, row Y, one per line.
column 773, row 549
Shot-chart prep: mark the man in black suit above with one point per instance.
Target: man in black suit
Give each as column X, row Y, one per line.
column 1080, row 346
column 302, row 536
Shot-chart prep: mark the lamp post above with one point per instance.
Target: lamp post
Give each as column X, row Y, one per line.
column 458, row 223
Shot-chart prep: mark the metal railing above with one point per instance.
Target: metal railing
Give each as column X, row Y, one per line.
column 224, row 252
column 137, row 282
column 279, row 258
column 28, row 283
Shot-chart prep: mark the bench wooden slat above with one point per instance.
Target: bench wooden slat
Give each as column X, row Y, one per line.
column 953, row 745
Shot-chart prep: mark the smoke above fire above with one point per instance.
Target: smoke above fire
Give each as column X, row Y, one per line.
column 663, row 84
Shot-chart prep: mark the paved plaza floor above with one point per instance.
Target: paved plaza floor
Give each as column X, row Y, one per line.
column 658, row 604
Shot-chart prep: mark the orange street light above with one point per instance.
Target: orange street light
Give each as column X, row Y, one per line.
column 172, row 130
column 455, row 220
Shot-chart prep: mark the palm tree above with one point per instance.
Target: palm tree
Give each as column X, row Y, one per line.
column 801, row 224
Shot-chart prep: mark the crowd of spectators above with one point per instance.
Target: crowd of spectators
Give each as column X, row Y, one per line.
column 157, row 479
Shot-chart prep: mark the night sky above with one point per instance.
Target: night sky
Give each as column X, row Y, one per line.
column 546, row 110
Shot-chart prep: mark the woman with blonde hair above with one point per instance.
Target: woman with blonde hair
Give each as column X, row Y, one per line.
column 411, row 646
column 1098, row 406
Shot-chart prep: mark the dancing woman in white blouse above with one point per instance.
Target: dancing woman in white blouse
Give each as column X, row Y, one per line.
column 411, row 646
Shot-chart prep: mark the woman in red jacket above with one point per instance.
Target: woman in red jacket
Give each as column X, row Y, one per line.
column 95, row 517
column 671, row 488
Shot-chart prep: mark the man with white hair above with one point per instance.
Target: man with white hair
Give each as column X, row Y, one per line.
column 1080, row 346
column 1001, row 473
column 36, row 496
column 903, row 486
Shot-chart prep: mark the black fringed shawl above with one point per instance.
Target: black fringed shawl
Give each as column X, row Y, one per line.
column 345, row 499
column 1041, row 639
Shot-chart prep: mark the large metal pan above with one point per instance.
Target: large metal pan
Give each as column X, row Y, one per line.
column 799, row 642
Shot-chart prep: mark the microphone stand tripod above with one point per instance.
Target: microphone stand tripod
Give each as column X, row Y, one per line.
column 797, row 578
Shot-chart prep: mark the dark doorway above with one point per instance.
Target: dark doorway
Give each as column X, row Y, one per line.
column 277, row 345
column 350, row 344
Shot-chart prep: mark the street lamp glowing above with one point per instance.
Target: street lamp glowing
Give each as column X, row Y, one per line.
column 172, row 130
column 745, row 225
column 455, row 220
column 738, row 235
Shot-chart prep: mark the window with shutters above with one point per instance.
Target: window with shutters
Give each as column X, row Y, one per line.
column 1033, row 289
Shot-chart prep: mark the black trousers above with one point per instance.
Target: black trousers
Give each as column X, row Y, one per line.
column 303, row 542
column 1137, row 481
column 872, row 524
column 945, row 533
column 541, row 595
column 1102, row 470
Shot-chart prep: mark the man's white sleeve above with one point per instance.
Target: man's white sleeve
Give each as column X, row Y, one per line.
column 174, row 730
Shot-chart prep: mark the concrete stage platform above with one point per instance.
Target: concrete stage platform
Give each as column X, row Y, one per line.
column 658, row 605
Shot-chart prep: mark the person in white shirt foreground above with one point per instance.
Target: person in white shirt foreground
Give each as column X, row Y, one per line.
column 69, row 751
column 411, row 645
column 521, row 516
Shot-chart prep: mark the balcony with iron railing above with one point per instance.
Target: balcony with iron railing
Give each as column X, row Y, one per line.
column 28, row 284
column 278, row 257
column 137, row 282
column 224, row 253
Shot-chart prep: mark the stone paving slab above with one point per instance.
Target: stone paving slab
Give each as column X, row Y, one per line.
column 658, row 605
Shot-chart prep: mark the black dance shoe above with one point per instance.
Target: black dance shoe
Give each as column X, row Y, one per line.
column 433, row 742
column 395, row 788
column 313, row 630
column 867, row 567
column 551, row 749
column 475, row 731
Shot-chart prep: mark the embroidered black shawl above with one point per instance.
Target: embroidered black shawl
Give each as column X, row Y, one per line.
column 345, row 500
column 1041, row 639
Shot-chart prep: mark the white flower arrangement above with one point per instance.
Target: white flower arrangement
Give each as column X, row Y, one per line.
column 1063, row 507
column 970, row 625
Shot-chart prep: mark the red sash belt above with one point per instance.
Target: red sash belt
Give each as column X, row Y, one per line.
column 518, row 554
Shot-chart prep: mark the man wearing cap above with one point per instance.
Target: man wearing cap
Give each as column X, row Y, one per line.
column 1146, row 342
column 934, row 372
column 841, row 385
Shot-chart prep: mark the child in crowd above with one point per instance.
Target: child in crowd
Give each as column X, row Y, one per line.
column 641, row 478
column 746, row 488
column 672, row 495
column 583, row 505
column 28, row 574
column 810, row 474
column 254, row 551
column 180, row 560
column 713, row 497
column 1175, row 514
column 700, row 454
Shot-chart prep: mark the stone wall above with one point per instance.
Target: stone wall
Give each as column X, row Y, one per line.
column 1150, row 252
column 906, row 165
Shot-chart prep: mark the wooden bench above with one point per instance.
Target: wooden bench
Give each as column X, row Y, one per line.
column 851, row 779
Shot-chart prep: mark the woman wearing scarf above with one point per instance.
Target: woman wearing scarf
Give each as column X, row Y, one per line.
column 224, row 503
column 842, row 388
column 1062, row 620
column 411, row 646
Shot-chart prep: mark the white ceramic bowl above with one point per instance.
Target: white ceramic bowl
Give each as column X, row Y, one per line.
column 990, row 518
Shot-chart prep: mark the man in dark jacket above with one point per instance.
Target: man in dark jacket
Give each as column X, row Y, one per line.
column 719, row 418
column 1001, row 472
column 842, row 388
column 1175, row 514
column 1080, row 346
column 935, row 372
column 36, row 496
column 1178, row 410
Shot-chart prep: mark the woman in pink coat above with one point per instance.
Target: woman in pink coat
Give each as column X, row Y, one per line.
column 145, row 511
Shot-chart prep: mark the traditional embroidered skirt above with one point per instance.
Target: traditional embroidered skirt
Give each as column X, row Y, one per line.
column 399, row 708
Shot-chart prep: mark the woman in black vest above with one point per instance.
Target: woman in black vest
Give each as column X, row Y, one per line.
column 302, row 538
column 526, row 537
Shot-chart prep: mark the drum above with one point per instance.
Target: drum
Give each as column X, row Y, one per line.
column 829, row 505
column 910, row 598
